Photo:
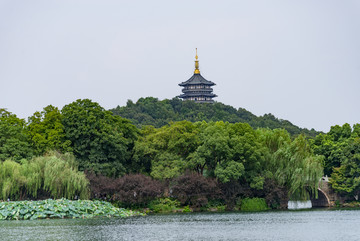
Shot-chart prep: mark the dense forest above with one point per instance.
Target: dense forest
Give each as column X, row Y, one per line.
column 171, row 151
column 151, row 111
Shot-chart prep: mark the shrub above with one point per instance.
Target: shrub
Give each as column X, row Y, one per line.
column 132, row 190
column 136, row 190
column 101, row 187
column 216, row 205
column 253, row 204
column 186, row 209
column 194, row 189
column 162, row 205
column 232, row 190
column 276, row 196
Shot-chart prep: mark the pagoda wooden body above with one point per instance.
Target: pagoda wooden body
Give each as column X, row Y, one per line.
column 197, row 88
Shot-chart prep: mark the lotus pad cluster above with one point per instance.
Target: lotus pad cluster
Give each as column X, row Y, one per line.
column 61, row 208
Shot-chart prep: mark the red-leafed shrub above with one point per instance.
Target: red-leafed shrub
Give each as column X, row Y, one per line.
column 231, row 191
column 137, row 189
column 129, row 190
column 101, row 187
column 276, row 196
column 194, row 189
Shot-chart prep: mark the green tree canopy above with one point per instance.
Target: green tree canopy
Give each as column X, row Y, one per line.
column 14, row 142
column 163, row 152
column 102, row 142
column 47, row 131
column 345, row 179
column 151, row 111
column 291, row 163
column 334, row 146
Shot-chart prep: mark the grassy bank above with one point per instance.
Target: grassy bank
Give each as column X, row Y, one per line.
column 61, row 208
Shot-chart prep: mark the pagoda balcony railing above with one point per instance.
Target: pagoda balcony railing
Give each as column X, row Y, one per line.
column 209, row 95
column 197, row 90
column 196, row 87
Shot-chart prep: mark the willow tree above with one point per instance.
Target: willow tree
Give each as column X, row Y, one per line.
column 61, row 177
column 54, row 174
column 291, row 163
column 12, row 182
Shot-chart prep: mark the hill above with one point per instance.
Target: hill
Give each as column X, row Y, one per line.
column 151, row 111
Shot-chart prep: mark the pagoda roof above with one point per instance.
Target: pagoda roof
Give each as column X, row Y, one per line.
column 197, row 79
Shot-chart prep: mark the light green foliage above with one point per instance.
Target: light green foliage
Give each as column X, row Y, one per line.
column 167, row 165
column 163, row 205
column 53, row 173
column 61, row 208
column 98, row 137
column 186, row 209
column 11, row 179
column 214, row 148
column 232, row 171
column 231, row 152
column 253, row 205
column 61, row 176
column 163, row 151
column 228, row 152
column 47, row 131
column 291, row 163
column 14, row 143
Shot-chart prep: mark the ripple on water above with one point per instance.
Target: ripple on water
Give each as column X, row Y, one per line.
column 283, row 225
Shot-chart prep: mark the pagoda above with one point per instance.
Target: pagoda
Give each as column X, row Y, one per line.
column 197, row 88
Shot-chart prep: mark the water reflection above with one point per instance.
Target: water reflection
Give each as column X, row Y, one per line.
column 286, row 225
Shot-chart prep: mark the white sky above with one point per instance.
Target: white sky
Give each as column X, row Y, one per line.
column 299, row 60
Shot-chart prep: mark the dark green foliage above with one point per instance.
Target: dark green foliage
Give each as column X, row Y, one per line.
column 234, row 154
column 151, row 111
column 102, row 142
column 346, row 178
column 341, row 150
column 336, row 145
column 14, row 142
column 267, row 163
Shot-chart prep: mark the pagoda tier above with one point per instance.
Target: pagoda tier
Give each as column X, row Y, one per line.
column 197, row 88
column 197, row 79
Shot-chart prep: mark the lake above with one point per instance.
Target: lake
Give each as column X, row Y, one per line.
column 274, row 225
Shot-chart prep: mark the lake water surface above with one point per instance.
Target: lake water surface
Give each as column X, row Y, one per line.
column 282, row 225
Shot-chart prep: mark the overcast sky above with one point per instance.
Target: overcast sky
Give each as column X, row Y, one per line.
column 299, row 60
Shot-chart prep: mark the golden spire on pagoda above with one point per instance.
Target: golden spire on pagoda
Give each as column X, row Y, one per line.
column 197, row 71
